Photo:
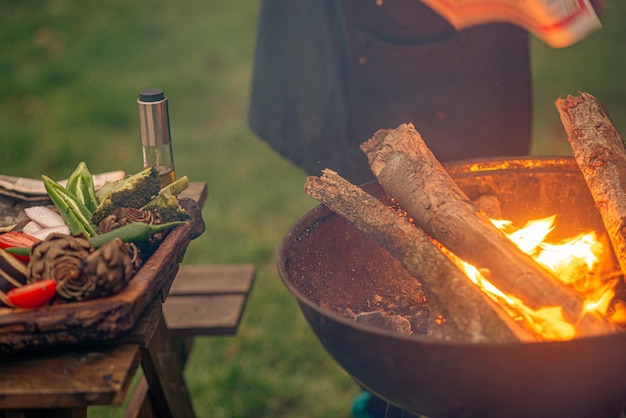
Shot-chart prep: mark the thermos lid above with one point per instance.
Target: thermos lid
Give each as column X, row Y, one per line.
column 151, row 95
column 153, row 117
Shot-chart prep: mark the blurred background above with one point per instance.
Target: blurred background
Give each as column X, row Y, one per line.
column 70, row 73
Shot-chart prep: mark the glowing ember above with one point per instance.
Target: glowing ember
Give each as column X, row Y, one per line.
column 573, row 261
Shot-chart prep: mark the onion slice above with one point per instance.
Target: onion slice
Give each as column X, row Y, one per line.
column 44, row 216
column 44, row 232
column 32, row 228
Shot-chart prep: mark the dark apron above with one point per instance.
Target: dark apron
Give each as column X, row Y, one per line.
column 328, row 74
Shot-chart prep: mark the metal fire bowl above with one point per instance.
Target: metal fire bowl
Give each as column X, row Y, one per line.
column 328, row 265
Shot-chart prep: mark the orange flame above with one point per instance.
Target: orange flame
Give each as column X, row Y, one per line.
column 572, row 261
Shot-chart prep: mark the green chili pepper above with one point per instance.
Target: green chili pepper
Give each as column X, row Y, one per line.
column 23, row 251
column 80, row 184
column 133, row 232
column 74, row 213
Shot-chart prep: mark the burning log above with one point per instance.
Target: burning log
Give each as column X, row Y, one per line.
column 599, row 151
column 408, row 171
column 448, row 289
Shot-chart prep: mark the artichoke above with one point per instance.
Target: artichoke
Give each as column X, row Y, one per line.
column 58, row 257
column 105, row 271
column 81, row 271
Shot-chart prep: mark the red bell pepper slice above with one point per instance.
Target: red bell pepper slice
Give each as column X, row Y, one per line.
column 17, row 239
column 33, row 295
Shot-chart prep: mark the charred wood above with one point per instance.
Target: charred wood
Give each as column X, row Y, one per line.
column 599, row 151
column 407, row 170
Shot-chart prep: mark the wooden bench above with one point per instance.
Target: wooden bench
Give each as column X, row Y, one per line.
column 208, row 300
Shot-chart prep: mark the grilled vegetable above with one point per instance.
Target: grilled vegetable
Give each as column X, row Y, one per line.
column 166, row 203
column 32, row 295
column 133, row 191
column 74, row 213
column 80, row 184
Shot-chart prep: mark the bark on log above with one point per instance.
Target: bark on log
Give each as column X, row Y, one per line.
column 462, row 304
column 599, row 151
column 410, row 173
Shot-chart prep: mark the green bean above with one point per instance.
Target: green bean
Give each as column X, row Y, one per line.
column 73, row 211
column 80, row 183
column 133, row 232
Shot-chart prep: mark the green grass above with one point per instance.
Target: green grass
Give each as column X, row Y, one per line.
column 70, row 73
column 595, row 65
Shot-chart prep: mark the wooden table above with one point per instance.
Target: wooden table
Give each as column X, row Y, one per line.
column 65, row 381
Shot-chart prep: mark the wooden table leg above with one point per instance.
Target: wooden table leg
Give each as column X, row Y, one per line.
column 164, row 373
